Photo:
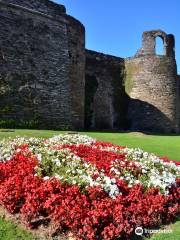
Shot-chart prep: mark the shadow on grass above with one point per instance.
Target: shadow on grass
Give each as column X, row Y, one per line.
column 127, row 131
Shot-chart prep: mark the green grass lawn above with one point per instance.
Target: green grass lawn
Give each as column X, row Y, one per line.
column 161, row 145
column 9, row 231
column 174, row 235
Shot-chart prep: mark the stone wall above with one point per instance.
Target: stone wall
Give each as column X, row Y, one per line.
column 105, row 101
column 43, row 6
column 36, row 68
column 178, row 104
column 151, row 83
column 76, row 49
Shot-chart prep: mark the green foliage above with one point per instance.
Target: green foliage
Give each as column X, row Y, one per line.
column 12, row 123
column 6, row 109
column 56, row 163
column 131, row 68
column 9, row 231
column 174, row 235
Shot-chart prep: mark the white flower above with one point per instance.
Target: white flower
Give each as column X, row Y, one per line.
column 46, row 178
column 74, row 182
column 137, row 182
column 113, row 180
column 39, row 157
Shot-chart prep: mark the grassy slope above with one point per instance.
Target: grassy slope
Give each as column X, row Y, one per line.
column 161, row 145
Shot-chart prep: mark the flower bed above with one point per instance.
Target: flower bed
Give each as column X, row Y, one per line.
column 93, row 189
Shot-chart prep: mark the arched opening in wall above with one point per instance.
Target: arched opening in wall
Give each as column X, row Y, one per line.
column 159, row 46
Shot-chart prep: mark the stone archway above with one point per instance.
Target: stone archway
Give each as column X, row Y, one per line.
column 159, row 46
column 149, row 43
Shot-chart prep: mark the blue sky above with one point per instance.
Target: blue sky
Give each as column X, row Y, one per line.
column 115, row 27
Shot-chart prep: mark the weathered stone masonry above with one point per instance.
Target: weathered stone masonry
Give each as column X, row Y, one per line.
column 105, row 98
column 152, row 85
column 49, row 80
column 42, row 61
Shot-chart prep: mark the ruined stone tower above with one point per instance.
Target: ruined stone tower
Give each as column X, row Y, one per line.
column 49, row 80
column 152, row 85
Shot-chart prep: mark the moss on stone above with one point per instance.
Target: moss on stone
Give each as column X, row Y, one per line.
column 19, row 124
column 131, row 69
column 6, row 109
